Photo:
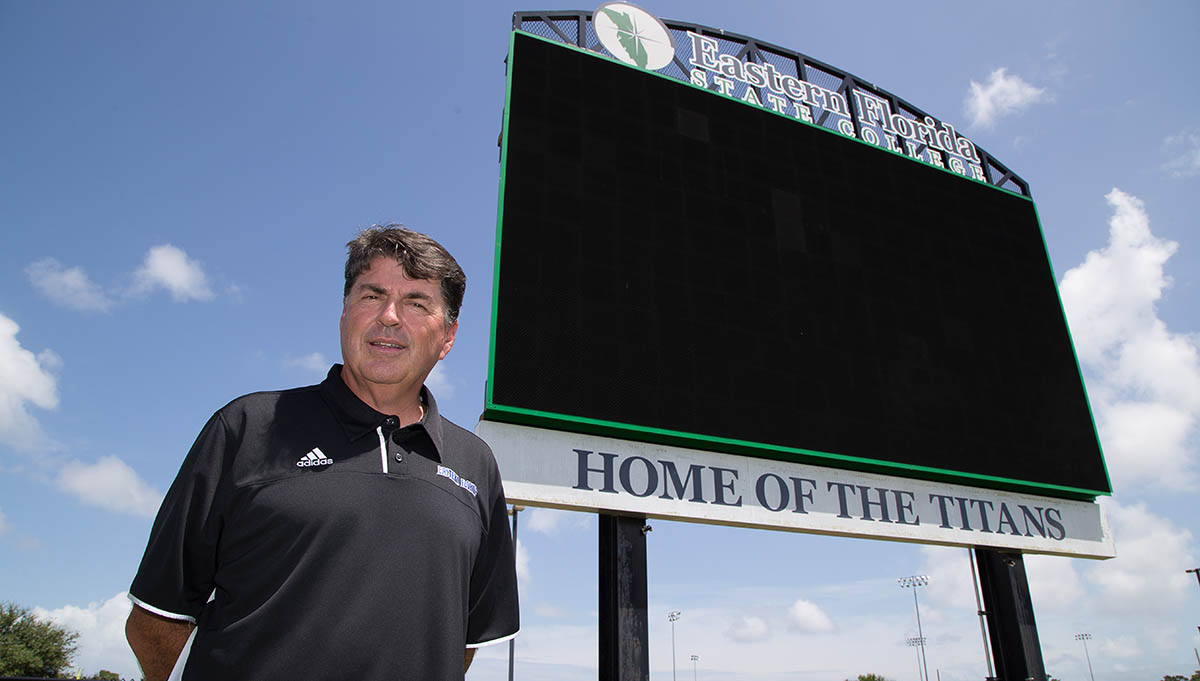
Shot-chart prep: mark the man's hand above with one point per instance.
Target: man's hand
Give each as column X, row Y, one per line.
column 156, row 641
column 467, row 657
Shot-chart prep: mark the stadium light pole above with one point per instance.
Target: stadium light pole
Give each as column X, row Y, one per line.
column 1196, row 571
column 512, row 642
column 913, row 643
column 987, row 651
column 673, row 616
column 1085, row 638
column 912, row 583
column 695, row 659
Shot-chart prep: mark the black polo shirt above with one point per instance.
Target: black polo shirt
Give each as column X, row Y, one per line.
column 309, row 538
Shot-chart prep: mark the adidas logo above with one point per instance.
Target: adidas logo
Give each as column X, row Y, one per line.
column 314, row 458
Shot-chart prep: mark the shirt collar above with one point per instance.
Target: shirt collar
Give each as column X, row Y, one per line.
column 357, row 418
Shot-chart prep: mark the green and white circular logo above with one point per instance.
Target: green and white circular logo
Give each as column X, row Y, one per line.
column 633, row 35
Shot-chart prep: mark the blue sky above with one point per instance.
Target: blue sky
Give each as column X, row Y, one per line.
column 177, row 183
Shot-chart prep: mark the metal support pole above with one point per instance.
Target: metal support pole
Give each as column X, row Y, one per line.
column 1011, row 625
column 512, row 642
column 624, row 627
column 987, row 653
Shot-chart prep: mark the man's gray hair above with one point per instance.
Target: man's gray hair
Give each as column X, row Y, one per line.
column 419, row 255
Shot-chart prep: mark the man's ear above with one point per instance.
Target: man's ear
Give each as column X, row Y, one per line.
column 449, row 340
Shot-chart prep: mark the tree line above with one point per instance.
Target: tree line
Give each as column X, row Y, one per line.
column 38, row 648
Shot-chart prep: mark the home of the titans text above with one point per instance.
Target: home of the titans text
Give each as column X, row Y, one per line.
column 640, row 477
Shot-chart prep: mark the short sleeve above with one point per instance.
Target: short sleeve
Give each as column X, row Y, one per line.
column 175, row 577
column 493, row 611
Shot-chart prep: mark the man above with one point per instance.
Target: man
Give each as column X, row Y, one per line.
column 343, row 530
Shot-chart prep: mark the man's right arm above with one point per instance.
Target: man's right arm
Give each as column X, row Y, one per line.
column 156, row 641
column 174, row 578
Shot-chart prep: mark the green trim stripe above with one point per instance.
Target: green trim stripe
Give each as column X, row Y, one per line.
column 584, row 424
column 508, row 76
column 1074, row 353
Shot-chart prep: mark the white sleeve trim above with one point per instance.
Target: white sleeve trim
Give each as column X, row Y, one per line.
column 159, row 611
column 495, row 640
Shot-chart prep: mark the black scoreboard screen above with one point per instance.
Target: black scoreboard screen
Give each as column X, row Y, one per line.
column 677, row 266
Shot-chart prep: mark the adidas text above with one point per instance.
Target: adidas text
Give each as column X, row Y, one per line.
column 314, row 458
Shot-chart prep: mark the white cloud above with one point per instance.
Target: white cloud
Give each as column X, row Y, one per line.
column 1054, row 583
column 950, row 580
column 1147, row 578
column 164, row 267
column 809, row 617
column 1003, row 95
column 522, row 560
column 1144, row 380
column 313, row 362
column 1055, row 63
column 24, row 379
column 70, row 288
column 550, row 611
column 101, row 629
column 544, row 520
column 1131, row 604
column 439, row 382
column 1111, row 296
column 1146, row 442
column 110, row 484
column 551, row 521
column 50, row 360
column 748, row 629
column 1185, row 150
column 170, row 268
column 1123, row 647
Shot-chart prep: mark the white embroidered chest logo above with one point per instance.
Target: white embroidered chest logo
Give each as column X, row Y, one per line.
column 456, row 479
column 314, row 458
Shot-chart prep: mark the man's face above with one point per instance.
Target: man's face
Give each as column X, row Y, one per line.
column 393, row 329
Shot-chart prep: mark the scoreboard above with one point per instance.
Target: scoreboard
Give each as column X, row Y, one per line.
column 675, row 266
